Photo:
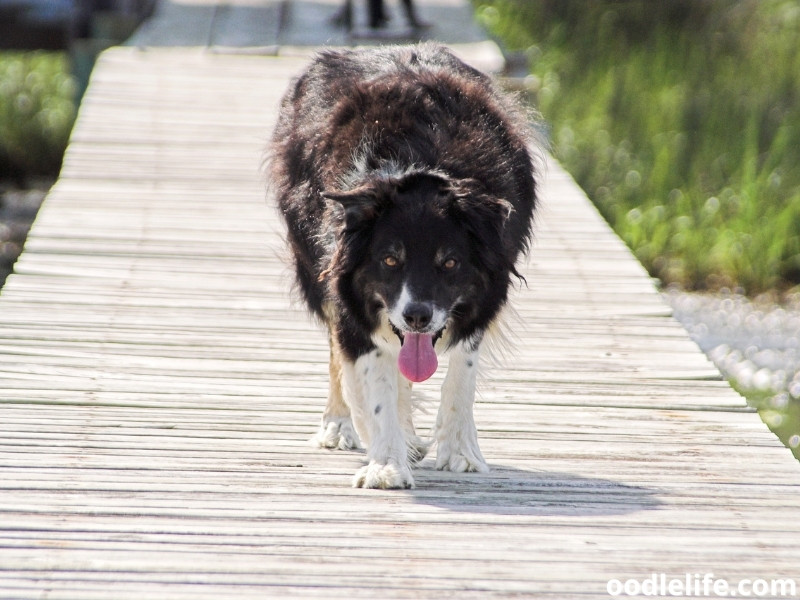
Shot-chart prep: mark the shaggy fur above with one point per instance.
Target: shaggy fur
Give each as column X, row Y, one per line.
column 406, row 182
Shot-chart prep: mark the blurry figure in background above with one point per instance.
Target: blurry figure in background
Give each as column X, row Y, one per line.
column 377, row 15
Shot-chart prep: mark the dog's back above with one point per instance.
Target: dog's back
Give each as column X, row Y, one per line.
column 395, row 108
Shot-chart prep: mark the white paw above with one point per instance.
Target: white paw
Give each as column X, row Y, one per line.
column 460, row 458
column 337, row 433
column 417, row 448
column 387, row 476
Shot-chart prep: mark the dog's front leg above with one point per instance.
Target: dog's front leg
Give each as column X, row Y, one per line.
column 371, row 386
column 456, row 434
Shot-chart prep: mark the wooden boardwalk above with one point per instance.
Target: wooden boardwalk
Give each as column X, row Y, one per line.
column 158, row 388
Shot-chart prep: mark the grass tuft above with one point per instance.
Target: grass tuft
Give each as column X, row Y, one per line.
column 681, row 120
column 37, row 111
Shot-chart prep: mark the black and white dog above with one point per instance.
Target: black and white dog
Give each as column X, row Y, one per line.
column 407, row 184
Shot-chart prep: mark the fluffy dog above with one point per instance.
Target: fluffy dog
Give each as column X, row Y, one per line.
column 407, row 184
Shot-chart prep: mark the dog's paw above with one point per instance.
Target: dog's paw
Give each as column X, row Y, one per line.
column 389, row 476
column 337, row 433
column 417, row 449
column 460, row 458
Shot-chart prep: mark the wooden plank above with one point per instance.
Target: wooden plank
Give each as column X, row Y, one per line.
column 245, row 26
column 159, row 384
column 177, row 24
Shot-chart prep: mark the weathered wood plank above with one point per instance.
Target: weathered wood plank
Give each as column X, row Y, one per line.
column 159, row 384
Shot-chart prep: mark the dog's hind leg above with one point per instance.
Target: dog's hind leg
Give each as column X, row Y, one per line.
column 456, row 434
column 337, row 429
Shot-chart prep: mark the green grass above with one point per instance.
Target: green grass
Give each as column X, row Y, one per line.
column 37, row 111
column 781, row 415
column 681, row 120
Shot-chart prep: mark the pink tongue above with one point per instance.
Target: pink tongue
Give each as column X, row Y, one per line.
column 417, row 359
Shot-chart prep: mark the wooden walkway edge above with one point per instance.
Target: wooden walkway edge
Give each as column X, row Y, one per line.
column 158, row 388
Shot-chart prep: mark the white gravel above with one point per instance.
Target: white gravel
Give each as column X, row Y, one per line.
column 756, row 344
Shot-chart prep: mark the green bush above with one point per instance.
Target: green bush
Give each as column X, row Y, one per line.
column 681, row 120
column 37, row 111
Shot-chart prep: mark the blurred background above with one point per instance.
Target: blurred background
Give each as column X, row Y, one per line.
column 47, row 50
column 680, row 120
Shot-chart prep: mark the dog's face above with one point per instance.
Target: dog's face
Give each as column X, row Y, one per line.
column 423, row 254
column 419, row 267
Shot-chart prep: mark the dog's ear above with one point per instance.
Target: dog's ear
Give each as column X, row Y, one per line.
column 361, row 204
column 484, row 217
column 423, row 181
column 469, row 197
column 360, row 207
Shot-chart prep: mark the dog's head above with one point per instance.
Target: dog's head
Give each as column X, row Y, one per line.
column 425, row 251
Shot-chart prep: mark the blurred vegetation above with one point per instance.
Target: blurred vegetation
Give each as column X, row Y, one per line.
column 37, row 111
column 783, row 418
column 681, row 120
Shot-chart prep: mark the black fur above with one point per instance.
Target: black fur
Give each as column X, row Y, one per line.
column 406, row 155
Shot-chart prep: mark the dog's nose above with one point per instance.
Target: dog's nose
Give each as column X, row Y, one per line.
column 417, row 315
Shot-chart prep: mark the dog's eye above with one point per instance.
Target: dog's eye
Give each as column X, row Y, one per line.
column 450, row 264
column 390, row 261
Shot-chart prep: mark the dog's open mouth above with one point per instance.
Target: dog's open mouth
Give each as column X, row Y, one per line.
column 417, row 360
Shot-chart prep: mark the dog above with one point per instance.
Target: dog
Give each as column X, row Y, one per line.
column 407, row 183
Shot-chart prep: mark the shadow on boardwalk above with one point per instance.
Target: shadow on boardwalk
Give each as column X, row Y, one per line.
column 511, row 491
